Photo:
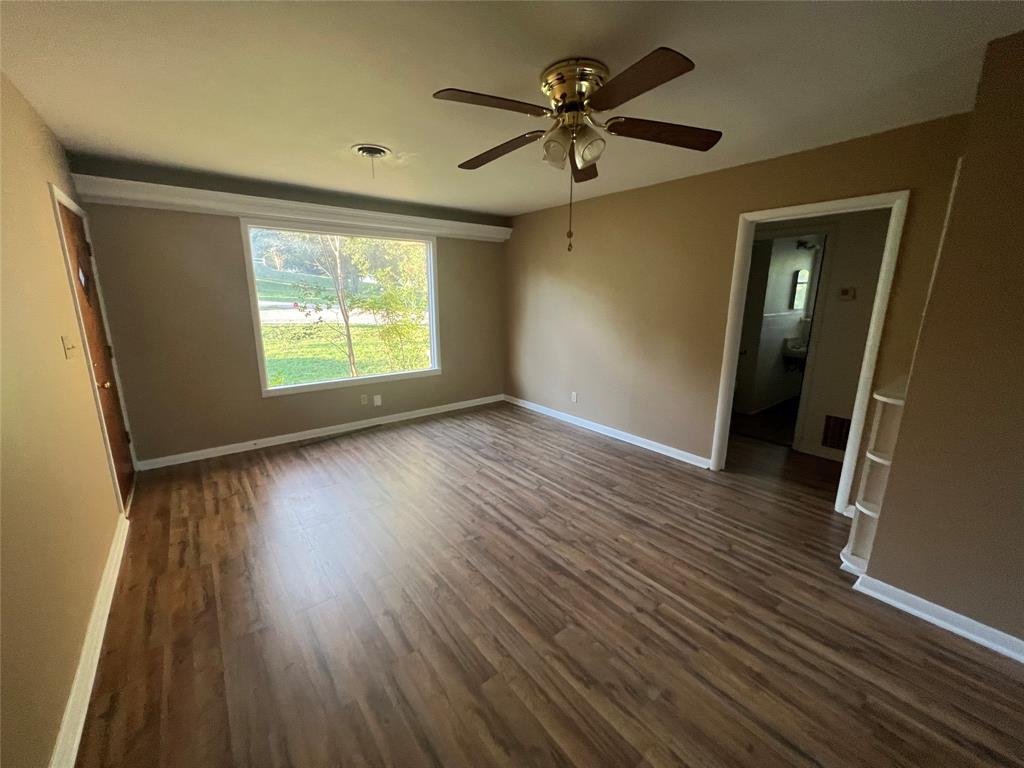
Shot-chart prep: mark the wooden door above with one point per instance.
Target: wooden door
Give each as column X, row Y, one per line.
column 80, row 263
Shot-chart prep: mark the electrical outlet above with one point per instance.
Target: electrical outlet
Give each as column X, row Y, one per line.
column 574, row 398
column 364, row 399
column 377, row 400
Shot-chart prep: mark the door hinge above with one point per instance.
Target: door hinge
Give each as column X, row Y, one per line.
column 127, row 436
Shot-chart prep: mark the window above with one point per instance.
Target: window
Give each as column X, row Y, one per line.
column 801, row 279
column 332, row 308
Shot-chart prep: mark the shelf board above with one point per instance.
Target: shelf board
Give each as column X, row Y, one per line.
column 879, row 457
column 900, row 401
column 894, row 393
column 869, row 509
column 852, row 563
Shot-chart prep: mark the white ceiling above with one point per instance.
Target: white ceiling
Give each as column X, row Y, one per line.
column 280, row 91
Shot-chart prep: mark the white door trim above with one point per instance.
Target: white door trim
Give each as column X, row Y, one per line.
column 897, row 202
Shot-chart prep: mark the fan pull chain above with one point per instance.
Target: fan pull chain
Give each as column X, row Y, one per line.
column 568, row 234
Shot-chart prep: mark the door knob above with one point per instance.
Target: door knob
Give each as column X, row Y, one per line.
column 104, row 385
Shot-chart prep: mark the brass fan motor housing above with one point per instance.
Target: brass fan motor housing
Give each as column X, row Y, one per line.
column 570, row 82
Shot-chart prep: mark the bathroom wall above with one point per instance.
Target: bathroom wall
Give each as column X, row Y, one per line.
column 768, row 321
column 853, row 255
column 750, row 336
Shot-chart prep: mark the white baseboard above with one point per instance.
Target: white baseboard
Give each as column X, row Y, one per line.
column 65, row 749
column 292, row 437
column 618, row 434
column 982, row 634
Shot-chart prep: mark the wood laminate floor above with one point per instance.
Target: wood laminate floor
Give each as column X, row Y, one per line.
column 774, row 425
column 496, row 588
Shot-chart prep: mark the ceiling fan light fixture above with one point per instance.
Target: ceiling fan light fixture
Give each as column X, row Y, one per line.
column 557, row 143
column 578, row 87
column 588, row 146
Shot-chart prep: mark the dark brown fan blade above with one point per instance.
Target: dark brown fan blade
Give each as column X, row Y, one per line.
column 486, row 100
column 657, row 67
column 502, row 149
column 579, row 175
column 685, row 136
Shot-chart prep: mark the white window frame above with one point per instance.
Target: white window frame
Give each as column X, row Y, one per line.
column 340, row 229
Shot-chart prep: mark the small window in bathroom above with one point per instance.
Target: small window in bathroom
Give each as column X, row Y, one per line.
column 801, row 278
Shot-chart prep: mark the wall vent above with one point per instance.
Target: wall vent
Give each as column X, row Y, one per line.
column 835, row 433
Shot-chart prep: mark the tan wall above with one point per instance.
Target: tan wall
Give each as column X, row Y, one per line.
column 59, row 506
column 952, row 530
column 633, row 319
column 178, row 304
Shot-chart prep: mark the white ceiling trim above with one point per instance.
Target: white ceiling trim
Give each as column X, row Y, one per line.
column 144, row 194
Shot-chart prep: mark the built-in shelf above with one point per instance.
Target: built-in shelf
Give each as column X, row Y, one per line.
column 879, row 457
column 888, row 411
column 893, row 394
column 852, row 563
column 869, row 509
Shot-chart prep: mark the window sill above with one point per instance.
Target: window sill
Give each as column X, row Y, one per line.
column 298, row 389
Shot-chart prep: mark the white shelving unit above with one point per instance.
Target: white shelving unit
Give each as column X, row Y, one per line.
column 885, row 426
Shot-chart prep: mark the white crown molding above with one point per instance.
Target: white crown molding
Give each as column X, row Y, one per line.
column 144, row 194
column 618, row 434
column 309, row 434
column 65, row 749
column 958, row 624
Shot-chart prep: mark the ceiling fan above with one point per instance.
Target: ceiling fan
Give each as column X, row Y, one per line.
column 576, row 89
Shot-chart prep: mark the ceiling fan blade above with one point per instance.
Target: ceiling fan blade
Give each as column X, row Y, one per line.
column 486, row 100
column 579, row 175
column 657, row 67
column 502, row 149
column 685, row 136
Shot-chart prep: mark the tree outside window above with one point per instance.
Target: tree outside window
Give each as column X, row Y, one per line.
column 336, row 306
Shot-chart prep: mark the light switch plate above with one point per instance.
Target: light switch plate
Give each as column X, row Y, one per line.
column 378, row 400
column 70, row 347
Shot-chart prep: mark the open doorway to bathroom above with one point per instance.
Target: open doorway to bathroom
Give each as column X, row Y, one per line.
column 806, row 315
column 778, row 319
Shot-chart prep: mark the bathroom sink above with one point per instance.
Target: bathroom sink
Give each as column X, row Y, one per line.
column 794, row 348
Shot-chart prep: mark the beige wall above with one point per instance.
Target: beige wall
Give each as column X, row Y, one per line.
column 59, row 506
column 952, row 530
column 633, row 319
column 178, row 304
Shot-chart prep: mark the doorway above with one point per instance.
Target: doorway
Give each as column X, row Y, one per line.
column 894, row 204
column 74, row 238
column 778, row 318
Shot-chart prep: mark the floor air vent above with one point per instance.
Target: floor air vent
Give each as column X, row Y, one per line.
column 837, row 430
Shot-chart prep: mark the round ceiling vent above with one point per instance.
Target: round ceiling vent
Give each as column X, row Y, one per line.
column 371, row 151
